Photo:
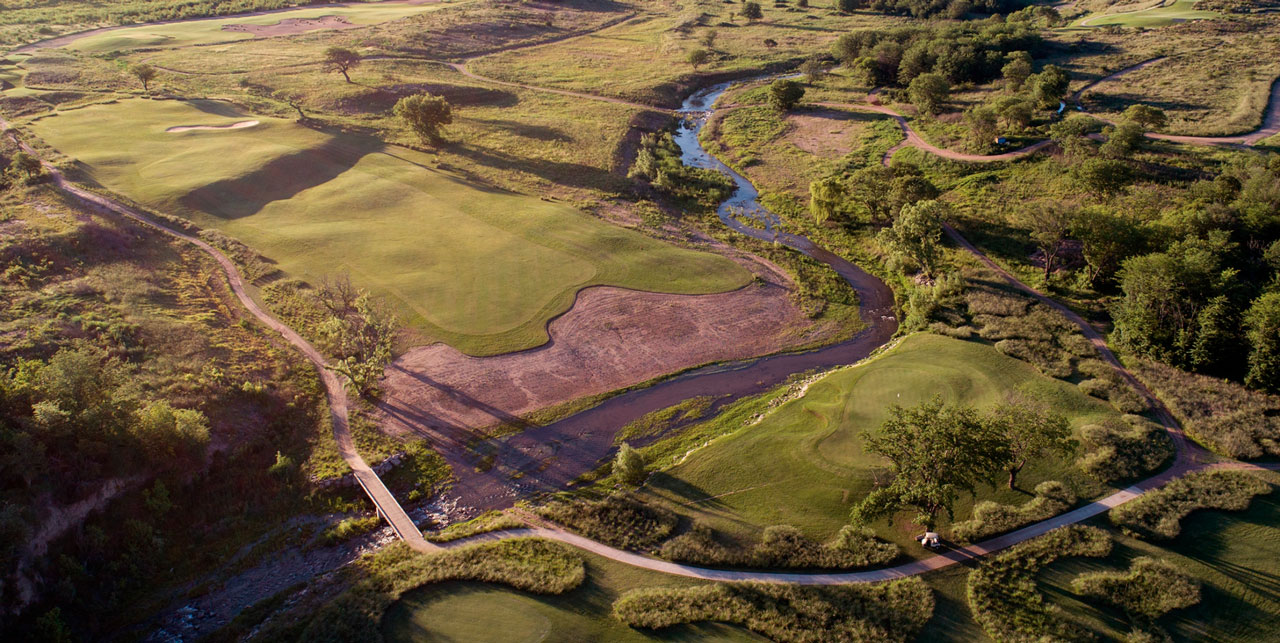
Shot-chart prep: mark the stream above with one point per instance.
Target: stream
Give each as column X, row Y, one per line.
column 549, row 457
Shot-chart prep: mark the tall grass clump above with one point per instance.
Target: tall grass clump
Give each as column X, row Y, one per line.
column 991, row 518
column 618, row 520
column 1223, row 415
column 1149, row 589
column 1002, row 591
column 894, row 611
column 782, row 546
column 1158, row 514
column 1124, row 450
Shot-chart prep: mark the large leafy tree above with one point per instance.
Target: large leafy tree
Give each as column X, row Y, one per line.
column 1262, row 324
column 1048, row 223
column 915, row 239
column 935, row 452
column 784, row 94
column 341, row 59
column 1032, row 431
column 928, row 92
column 425, row 114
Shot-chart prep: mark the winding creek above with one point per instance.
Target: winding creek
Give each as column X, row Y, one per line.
column 549, row 457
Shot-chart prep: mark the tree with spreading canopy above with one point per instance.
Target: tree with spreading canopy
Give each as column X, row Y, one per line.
column 341, row 59
column 935, row 451
column 425, row 115
column 697, row 58
column 915, row 238
column 1150, row 118
column 752, row 11
column 1048, row 223
column 145, row 74
column 784, row 94
column 1031, row 430
column 928, row 92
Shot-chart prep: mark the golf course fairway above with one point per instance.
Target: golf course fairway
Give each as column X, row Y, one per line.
column 476, row 267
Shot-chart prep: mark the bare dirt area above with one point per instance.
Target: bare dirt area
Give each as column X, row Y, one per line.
column 611, row 338
column 825, row 133
column 290, row 26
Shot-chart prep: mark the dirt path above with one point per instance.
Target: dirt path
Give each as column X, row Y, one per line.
column 383, row 501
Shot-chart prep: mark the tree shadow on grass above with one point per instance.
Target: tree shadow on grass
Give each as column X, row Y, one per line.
column 571, row 174
column 527, row 130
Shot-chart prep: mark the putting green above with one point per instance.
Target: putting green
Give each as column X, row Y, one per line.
column 210, row 31
column 1167, row 13
column 479, row 268
column 805, row 465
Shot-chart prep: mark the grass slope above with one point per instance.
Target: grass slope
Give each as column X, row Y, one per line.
column 211, row 31
column 804, row 465
column 1164, row 13
column 480, row 269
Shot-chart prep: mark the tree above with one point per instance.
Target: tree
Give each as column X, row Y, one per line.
column 1122, row 140
column 698, row 58
column 1031, row 431
column 176, row 439
column 784, row 94
column 27, row 164
column 1015, row 111
column 1102, row 177
column 145, row 74
column 850, row 6
column 1049, row 86
column 812, row 69
column 709, row 39
column 1219, row 341
column 1108, row 238
column 983, row 124
column 826, row 198
column 1048, row 224
column 770, row 43
column 1150, row 118
column 1262, row 328
column 358, row 332
column 425, row 114
column 1016, row 71
column 629, row 464
column 915, row 239
column 341, row 59
column 935, row 451
column 1072, row 132
column 928, row 92
column 752, row 11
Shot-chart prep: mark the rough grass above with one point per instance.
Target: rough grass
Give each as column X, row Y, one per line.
column 782, row 546
column 1149, row 589
column 1158, row 514
column 618, row 520
column 484, row 523
column 480, row 269
column 803, row 464
column 1003, row 593
column 894, row 611
column 1224, row 416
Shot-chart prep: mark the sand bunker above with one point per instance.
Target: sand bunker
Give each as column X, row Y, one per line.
column 610, row 339
column 291, row 26
column 189, row 128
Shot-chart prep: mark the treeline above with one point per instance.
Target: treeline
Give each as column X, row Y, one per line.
column 946, row 8
column 966, row 52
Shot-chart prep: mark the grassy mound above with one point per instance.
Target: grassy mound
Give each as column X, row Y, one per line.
column 893, row 611
column 804, row 463
column 1158, row 514
column 481, row 269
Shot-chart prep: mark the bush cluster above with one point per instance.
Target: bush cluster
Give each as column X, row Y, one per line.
column 658, row 163
column 991, row 518
column 894, row 611
column 619, row 520
column 1158, row 514
column 1123, row 450
column 1227, row 417
column 1150, row 589
column 527, row 564
column 782, row 546
column 1002, row 592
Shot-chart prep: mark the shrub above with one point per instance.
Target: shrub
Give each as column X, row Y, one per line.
column 629, row 465
column 1116, row 451
column 1150, row 589
column 1002, row 591
column 1158, row 514
column 991, row 518
column 618, row 520
column 527, row 564
column 783, row 546
column 894, row 611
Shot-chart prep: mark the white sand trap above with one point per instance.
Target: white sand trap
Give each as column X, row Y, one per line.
column 189, row 128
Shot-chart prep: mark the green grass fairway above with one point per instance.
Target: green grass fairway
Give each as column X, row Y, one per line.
column 805, row 466
column 205, row 32
column 479, row 268
column 1166, row 13
column 482, row 613
column 1236, row 556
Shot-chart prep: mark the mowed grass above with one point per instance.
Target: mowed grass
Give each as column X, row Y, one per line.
column 805, row 465
column 483, row 613
column 479, row 268
column 1236, row 557
column 1163, row 14
column 210, row 31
